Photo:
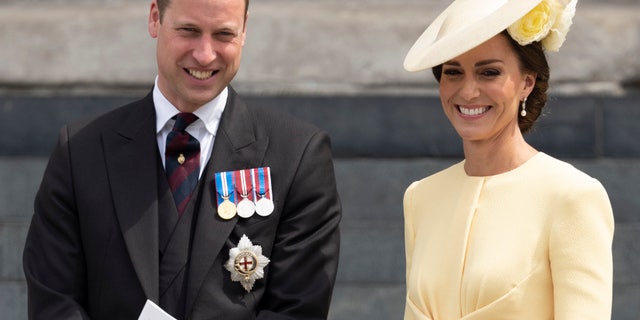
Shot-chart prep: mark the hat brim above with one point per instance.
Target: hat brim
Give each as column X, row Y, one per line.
column 462, row 26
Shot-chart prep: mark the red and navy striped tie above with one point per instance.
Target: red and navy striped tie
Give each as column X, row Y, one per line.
column 182, row 160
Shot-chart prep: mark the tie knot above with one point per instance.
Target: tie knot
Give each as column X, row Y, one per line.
column 183, row 120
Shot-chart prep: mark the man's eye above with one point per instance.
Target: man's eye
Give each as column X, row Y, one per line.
column 225, row 36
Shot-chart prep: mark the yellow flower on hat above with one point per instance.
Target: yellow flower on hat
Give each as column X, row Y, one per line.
column 548, row 22
column 534, row 25
column 558, row 32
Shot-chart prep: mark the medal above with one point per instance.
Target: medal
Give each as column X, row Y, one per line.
column 264, row 206
column 244, row 192
column 226, row 201
column 226, row 210
column 246, row 263
column 246, row 208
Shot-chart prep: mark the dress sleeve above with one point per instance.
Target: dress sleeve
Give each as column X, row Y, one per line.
column 409, row 232
column 580, row 253
column 409, row 237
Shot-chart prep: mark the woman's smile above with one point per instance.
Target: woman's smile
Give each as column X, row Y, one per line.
column 473, row 111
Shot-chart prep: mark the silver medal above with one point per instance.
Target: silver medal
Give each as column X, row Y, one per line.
column 264, row 206
column 246, row 208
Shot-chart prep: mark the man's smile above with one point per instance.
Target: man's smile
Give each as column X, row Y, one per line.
column 201, row 75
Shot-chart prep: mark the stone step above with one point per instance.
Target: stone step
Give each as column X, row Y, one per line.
column 338, row 64
column 363, row 126
column 370, row 281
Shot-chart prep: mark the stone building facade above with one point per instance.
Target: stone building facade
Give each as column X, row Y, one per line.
column 338, row 64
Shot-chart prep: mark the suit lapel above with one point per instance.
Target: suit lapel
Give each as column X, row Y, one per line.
column 236, row 147
column 131, row 157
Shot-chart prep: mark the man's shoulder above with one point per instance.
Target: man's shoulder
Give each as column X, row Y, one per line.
column 277, row 119
column 119, row 114
column 270, row 116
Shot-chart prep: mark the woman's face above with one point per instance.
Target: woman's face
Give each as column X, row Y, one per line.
column 481, row 91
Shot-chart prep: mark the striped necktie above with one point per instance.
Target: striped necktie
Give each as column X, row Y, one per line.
column 182, row 160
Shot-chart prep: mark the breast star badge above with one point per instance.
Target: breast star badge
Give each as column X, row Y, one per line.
column 246, row 263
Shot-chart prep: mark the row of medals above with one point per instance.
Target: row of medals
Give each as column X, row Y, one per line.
column 245, row 208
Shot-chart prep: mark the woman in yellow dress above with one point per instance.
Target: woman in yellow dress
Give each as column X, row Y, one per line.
column 510, row 232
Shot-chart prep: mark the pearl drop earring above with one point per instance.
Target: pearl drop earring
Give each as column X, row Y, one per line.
column 524, row 107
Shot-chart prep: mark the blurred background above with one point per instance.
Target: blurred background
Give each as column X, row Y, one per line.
column 337, row 64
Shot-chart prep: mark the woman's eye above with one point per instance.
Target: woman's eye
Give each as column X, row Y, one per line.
column 451, row 72
column 490, row 73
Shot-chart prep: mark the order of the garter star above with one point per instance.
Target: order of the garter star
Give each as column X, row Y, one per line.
column 246, row 263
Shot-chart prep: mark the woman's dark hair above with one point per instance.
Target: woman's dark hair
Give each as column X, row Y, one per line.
column 533, row 59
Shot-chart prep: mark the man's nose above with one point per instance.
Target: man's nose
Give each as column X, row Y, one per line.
column 204, row 52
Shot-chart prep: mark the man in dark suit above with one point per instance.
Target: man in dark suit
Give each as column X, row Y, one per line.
column 109, row 231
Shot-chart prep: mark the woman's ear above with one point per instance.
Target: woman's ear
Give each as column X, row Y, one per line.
column 529, row 83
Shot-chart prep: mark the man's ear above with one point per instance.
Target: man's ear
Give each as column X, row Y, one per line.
column 154, row 19
column 244, row 28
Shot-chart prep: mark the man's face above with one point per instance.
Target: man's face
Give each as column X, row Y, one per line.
column 199, row 45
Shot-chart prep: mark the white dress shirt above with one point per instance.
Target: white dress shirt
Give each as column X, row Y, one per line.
column 204, row 129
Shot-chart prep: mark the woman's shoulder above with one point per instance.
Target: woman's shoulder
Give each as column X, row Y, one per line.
column 561, row 173
column 455, row 170
column 567, row 185
column 439, row 180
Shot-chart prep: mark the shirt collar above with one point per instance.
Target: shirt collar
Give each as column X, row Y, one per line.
column 210, row 113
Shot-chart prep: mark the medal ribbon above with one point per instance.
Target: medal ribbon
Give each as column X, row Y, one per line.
column 243, row 191
column 222, row 186
column 255, row 188
column 264, row 182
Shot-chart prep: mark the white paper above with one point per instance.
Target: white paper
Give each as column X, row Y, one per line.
column 151, row 311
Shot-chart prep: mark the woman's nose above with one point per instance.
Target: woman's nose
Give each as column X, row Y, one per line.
column 469, row 89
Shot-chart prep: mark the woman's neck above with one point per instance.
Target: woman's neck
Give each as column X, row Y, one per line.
column 487, row 158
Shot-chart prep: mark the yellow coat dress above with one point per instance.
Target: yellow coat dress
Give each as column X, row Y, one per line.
column 531, row 243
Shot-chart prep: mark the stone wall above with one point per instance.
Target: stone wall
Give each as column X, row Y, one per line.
column 337, row 64
column 294, row 46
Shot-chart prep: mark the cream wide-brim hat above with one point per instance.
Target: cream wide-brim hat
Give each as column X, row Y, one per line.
column 462, row 26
